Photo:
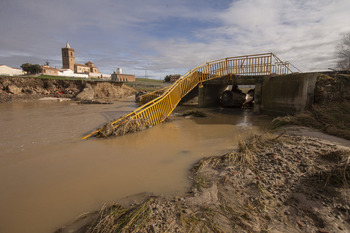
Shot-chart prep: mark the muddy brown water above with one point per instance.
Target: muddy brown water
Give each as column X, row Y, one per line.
column 48, row 176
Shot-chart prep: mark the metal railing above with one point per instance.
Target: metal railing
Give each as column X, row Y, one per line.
column 161, row 104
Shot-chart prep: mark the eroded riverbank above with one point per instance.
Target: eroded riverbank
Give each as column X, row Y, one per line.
column 19, row 89
column 49, row 176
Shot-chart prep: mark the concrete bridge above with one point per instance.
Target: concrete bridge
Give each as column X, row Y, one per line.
column 274, row 80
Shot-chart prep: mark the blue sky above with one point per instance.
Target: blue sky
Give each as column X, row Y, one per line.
column 168, row 37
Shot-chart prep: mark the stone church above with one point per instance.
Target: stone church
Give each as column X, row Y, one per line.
column 68, row 62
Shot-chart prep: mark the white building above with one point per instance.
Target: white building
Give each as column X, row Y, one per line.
column 10, row 71
column 70, row 73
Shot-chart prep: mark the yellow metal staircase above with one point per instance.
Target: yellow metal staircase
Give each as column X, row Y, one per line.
column 160, row 104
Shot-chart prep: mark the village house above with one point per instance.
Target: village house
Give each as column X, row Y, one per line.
column 10, row 71
column 123, row 77
column 120, row 77
column 174, row 77
column 81, row 69
column 49, row 70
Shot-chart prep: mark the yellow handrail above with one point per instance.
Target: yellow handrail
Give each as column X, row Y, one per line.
column 160, row 106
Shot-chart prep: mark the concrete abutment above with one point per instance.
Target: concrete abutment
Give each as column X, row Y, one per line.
column 285, row 94
column 274, row 95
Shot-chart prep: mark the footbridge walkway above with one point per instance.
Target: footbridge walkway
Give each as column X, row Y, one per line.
column 158, row 105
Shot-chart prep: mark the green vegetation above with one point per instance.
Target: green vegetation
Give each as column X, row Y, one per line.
column 53, row 77
column 44, row 76
column 148, row 85
column 31, row 68
column 148, row 80
column 167, row 79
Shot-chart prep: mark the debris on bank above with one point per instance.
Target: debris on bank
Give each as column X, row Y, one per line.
column 129, row 125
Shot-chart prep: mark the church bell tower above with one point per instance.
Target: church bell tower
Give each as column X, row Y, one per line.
column 68, row 57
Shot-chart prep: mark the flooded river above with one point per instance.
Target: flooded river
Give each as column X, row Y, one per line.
column 48, row 176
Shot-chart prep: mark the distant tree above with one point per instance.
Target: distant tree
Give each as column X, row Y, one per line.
column 31, row 69
column 167, row 79
column 37, row 69
column 47, row 63
column 343, row 53
column 26, row 66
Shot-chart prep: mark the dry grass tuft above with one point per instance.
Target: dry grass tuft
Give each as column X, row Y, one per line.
column 304, row 119
column 203, row 163
column 248, row 149
column 115, row 218
column 333, row 118
column 339, row 172
column 336, row 156
column 245, row 155
column 338, row 176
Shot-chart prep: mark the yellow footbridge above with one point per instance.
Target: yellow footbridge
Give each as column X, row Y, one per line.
column 158, row 105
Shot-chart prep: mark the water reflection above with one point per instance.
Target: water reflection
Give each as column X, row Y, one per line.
column 246, row 119
column 232, row 116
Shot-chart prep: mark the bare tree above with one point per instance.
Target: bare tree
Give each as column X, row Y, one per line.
column 343, row 53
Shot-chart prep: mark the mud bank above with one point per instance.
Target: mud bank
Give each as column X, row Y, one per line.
column 271, row 183
column 24, row 88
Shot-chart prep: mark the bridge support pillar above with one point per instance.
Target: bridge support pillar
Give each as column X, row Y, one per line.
column 285, row 95
column 209, row 95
